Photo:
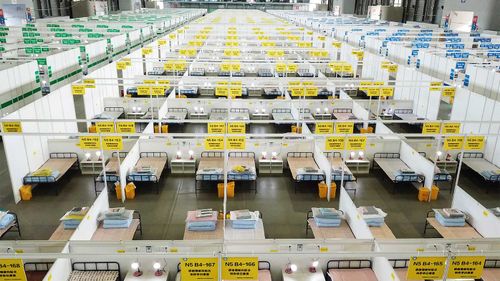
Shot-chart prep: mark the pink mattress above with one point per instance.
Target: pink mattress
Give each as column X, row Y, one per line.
column 491, row 274
column 361, row 274
column 264, row 275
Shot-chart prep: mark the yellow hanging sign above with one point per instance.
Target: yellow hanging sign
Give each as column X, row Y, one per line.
column 337, row 44
column 431, row 128
column 158, row 90
column 356, row 143
column 324, row 128
column 89, row 142
column 199, row 269
column 236, row 128
column 12, row 127
column 121, row 65
column 214, row 143
column 281, row 67
column 143, row 90
column 237, row 143
column 78, row 90
column 451, row 128
column 334, row 143
column 89, row 83
column 470, row 267
column 425, row 268
column 435, row 86
column 147, row 51
column 344, row 128
column 112, row 143
column 386, row 92
column 12, row 270
column 125, row 127
column 105, row 127
column 474, row 143
column 162, row 42
column 216, row 127
column 240, row 268
column 453, row 143
column 393, row 68
column 448, row 92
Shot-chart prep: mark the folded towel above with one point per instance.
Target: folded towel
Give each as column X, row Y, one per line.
column 126, row 215
column 192, row 217
column 320, row 224
column 327, row 221
column 202, row 228
column 201, row 224
column 326, row 213
column 114, row 224
column 6, row 220
column 244, row 223
column 42, row 172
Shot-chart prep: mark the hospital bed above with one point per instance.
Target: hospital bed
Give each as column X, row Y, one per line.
column 176, row 115
column 450, row 232
column 111, row 113
column 272, row 93
column 264, row 271
column 36, row 271
column 245, row 159
column 59, row 163
column 343, row 114
column 239, row 114
column 440, row 175
column 218, row 114
column 91, row 271
column 359, row 270
column 303, row 168
column 13, row 226
column 407, row 115
column 476, row 162
column 112, row 169
column 119, row 234
column 154, row 160
column 282, row 115
column 343, row 231
column 395, row 169
column 338, row 165
column 256, row 233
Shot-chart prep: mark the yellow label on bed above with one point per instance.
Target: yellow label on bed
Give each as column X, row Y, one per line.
column 334, row 143
column 105, row 127
column 324, row 128
column 89, row 83
column 238, row 143
column 356, row 143
column 431, row 128
column 344, row 128
column 125, row 127
column 199, row 269
column 466, row 267
column 12, row 270
column 216, row 127
column 112, row 143
column 451, row 128
column 78, row 90
column 12, row 127
column 453, row 143
column 214, row 143
column 236, row 128
column 474, row 143
column 240, row 268
column 422, row 268
column 89, row 142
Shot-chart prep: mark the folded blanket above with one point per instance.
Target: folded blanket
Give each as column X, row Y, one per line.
column 450, row 213
column 374, row 224
column 42, row 172
column 6, row 220
column 244, row 223
column 55, row 174
column 328, row 224
column 380, row 213
column 375, row 220
column 202, row 228
column 327, row 221
column 450, row 221
column 209, row 171
column 326, row 213
column 302, row 171
column 201, row 224
column 234, row 226
column 192, row 217
column 128, row 214
column 114, row 224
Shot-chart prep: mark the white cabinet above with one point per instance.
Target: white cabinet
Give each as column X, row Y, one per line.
column 358, row 166
column 183, row 166
column 270, row 166
column 91, row 167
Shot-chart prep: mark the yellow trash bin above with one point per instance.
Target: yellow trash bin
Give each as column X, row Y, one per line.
column 434, row 192
column 118, row 190
column 323, row 190
column 25, row 191
column 230, row 189
column 130, row 191
column 423, row 194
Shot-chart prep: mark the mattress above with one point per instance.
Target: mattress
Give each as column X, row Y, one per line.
column 175, row 115
column 392, row 166
column 491, row 274
column 361, row 274
column 480, row 165
column 344, row 116
column 93, row 275
column 296, row 163
column 282, row 116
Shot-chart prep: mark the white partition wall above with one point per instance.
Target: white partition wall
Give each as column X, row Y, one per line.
column 358, row 226
column 486, row 223
column 127, row 164
column 89, row 225
column 383, row 269
column 417, row 163
column 60, row 270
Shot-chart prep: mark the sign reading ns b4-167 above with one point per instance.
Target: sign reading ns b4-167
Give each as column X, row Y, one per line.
column 199, row 269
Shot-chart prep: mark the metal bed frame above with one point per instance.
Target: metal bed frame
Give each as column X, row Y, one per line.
column 149, row 177
column 97, row 266
column 137, row 215
column 479, row 155
column 110, row 178
column 399, row 178
column 220, row 177
column 440, row 177
column 176, row 121
column 305, row 177
column 399, row 263
column 346, row 264
column 114, row 109
column 51, row 179
column 14, row 227
column 42, row 267
column 342, row 110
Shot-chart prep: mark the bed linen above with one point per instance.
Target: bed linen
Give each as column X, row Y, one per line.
column 361, row 274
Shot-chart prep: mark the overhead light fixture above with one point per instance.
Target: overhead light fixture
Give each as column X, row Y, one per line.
column 318, row 110
column 353, row 154
column 326, row 109
column 196, row 109
column 157, row 268
column 274, row 154
column 135, row 267
column 201, row 109
column 134, row 109
column 439, row 153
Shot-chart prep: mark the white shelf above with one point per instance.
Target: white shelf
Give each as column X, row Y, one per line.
column 270, row 166
column 91, row 167
column 183, row 166
column 358, row 166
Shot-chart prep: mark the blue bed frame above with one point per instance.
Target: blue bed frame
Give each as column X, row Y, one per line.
column 399, row 178
column 305, row 177
column 149, row 177
column 480, row 155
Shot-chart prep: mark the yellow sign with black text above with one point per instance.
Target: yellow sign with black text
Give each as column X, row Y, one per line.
column 453, row 143
column 216, row 127
column 240, row 268
column 344, row 128
column 474, row 143
column 89, row 83
column 450, row 128
column 334, row 143
column 12, row 270
column 431, row 128
column 105, row 127
column 12, row 127
column 78, row 90
column 89, row 142
column 125, row 127
column 112, row 143
column 356, row 143
column 199, row 269
column 324, row 128
column 466, row 267
column 237, row 143
column 214, row 143
column 236, row 128
column 424, row 268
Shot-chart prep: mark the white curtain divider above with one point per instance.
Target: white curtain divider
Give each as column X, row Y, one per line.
column 383, row 269
column 89, row 224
